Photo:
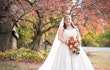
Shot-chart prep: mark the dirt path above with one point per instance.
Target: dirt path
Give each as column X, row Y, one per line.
column 97, row 49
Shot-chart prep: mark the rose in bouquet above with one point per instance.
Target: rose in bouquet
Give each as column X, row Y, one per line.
column 73, row 44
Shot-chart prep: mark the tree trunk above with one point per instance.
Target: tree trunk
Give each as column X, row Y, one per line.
column 5, row 26
column 5, row 42
column 36, row 42
column 14, row 40
column 5, row 37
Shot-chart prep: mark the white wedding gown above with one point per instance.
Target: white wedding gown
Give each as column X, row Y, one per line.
column 64, row 59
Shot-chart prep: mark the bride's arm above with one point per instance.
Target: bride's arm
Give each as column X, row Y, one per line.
column 79, row 36
column 60, row 35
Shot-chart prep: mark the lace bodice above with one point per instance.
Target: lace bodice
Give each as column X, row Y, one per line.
column 67, row 33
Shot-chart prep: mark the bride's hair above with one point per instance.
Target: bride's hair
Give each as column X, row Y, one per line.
column 67, row 16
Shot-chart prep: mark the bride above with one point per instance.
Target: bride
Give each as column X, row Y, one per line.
column 60, row 56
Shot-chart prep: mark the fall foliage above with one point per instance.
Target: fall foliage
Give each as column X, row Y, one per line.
column 44, row 15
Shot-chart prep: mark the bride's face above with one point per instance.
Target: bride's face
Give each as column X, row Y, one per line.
column 67, row 21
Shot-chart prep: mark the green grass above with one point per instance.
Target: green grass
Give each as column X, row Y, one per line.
column 101, row 59
column 101, row 63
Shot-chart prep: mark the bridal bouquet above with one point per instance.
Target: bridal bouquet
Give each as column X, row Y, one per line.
column 73, row 44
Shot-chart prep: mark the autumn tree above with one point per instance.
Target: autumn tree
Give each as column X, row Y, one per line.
column 91, row 15
column 46, row 12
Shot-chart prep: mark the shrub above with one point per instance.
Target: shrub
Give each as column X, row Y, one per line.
column 105, row 39
column 26, row 33
column 91, row 40
column 23, row 54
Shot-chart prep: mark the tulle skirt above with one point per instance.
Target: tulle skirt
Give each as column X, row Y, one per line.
column 65, row 60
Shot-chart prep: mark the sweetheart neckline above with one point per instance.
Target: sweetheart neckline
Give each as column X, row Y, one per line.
column 69, row 29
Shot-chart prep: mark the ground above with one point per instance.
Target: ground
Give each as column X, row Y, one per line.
column 100, row 61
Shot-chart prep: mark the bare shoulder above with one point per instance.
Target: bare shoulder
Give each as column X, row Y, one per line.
column 61, row 28
column 76, row 27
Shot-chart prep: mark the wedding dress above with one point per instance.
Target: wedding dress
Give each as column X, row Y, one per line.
column 61, row 57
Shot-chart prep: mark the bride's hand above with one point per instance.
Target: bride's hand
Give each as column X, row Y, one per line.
column 66, row 42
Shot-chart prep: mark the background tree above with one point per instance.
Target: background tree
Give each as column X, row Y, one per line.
column 45, row 12
column 47, row 15
column 6, row 24
column 92, row 18
column 91, row 15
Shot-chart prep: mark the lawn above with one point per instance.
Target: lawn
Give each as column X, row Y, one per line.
column 100, row 60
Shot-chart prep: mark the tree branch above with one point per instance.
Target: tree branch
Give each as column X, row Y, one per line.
column 48, row 29
column 31, row 2
column 34, row 25
column 48, row 22
column 21, row 5
column 27, row 20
